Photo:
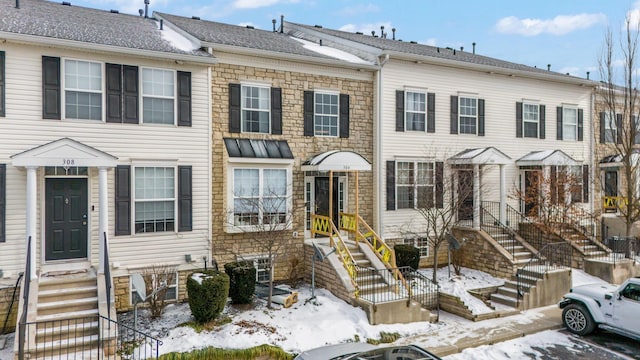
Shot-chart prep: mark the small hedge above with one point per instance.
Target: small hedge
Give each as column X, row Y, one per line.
column 211, row 353
column 407, row 255
column 208, row 291
column 242, row 281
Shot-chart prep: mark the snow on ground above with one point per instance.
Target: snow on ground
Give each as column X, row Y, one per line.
column 459, row 286
column 579, row 277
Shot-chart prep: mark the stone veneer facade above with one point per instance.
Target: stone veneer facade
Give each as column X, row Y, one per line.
column 226, row 246
column 121, row 286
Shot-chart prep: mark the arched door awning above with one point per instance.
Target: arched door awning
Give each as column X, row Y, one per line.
column 337, row 160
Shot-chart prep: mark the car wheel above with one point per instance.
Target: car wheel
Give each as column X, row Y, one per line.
column 577, row 319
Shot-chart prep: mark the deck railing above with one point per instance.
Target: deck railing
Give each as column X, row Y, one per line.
column 22, row 334
column 107, row 275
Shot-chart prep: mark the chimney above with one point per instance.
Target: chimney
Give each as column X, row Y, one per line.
column 273, row 21
column 281, row 24
column 548, row 67
column 146, row 9
column 474, row 47
column 393, row 31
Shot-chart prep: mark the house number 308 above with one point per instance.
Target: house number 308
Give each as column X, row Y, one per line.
column 67, row 162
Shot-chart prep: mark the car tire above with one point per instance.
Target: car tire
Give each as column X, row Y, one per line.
column 577, row 319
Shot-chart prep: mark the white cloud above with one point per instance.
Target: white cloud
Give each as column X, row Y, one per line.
column 431, row 42
column 559, row 25
column 359, row 9
column 633, row 15
column 255, row 4
column 368, row 28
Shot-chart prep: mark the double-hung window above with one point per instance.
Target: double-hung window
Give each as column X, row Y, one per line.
column 610, row 128
column 415, row 184
column 261, row 197
column 255, row 108
column 570, row 123
column 326, row 112
column 83, row 89
column 155, row 199
column 530, row 119
column 421, row 243
column 415, row 110
column 468, row 115
column 158, row 96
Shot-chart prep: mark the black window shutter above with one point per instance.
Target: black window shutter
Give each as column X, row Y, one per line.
column 480, row 117
column 391, row 185
column 585, row 183
column 234, row 108
column 431, row 112
column 454, row 114
column 51, row 88
column 344, row 115
column 185, row 207
column 113, row 80
column 619, row 128
column 543, row 118
column 3, row 201
column 603, row 119
column 123, row 200
column 518, row 119
column 439, row 184
column 308, row 113
column 559, row 123
column 580, row 124
column 184, row 98
column 131, row 114
column 276, row 111
column 2, row 84
column 399, row 110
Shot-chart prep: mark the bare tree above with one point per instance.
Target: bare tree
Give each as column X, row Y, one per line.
column 618, row 104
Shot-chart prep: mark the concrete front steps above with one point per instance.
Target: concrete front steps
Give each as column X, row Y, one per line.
column 67, row 317
column 521, row 255
column 539, row 286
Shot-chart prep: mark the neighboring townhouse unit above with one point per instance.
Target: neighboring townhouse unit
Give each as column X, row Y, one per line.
column 292, row 124
column 105, row 155
column 448, row 117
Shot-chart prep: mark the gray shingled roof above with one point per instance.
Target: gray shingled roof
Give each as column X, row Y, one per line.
column 232, row 35
column 390, row 45
column 54, row 20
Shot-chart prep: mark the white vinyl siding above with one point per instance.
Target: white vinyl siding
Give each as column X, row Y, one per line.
column 82, row 89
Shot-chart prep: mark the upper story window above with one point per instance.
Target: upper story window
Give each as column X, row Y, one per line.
column 154, row 199
column 326, row 111
column 468, row 115
column 158, row 96
column 569, row 123
column 530, row 119
column 415, row 110
column 83, row 89
column 414, row 184
column 255, row 109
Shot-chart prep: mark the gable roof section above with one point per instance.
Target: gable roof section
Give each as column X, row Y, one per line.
column 52, row 154
column 546, row 158
column 235, row 38
column 481, row 156
column 41, row 21
column 377, row 46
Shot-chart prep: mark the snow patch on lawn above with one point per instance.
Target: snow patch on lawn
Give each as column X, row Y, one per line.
column 459, row 286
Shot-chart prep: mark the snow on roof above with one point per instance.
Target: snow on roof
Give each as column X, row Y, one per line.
column 332, row 52
column 178, row 41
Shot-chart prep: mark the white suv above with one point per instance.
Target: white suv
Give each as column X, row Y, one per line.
column 609, row 307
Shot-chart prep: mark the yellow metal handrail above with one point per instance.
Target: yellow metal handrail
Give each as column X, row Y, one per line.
column 323, row 225
column 613, row 203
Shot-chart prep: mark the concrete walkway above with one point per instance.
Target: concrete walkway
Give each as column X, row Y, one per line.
column 457, row 334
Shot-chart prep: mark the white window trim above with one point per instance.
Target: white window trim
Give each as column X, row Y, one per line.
column 327, row 92
column 266, row 165
column 133, row 198
column 524, row 121
column 415, row 184
column 142, row 96
column 414, row 241
column 610, row 124
column 466, row 96
column 63, row 89
column 176, row 286
column 309, row 200
column 426, row 107
column 254, row 259
column 564, row 122
column 242, row 108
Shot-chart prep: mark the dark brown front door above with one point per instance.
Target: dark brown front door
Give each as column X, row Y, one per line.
column 322, row 198
column 465, row 191
column 66, row 218
column 531, row 192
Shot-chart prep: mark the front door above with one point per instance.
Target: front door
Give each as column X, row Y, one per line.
column 322, row 198
column 531, row 192
column 465, row 192
column 65, row 218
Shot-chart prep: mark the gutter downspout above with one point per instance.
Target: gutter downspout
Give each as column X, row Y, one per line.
column 210, row 168
column 379, row 222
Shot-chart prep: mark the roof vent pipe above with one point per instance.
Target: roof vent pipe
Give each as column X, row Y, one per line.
column 587, row 75
column 161, row 24
column 281, row 24
column 141, row 12
column 461, row 48
column 373, row 33
column 17, row 4
column 146, row 9
column 273, row 22
column 382, row 33
column 548, row 67
column 320, row 42
column 474, row 47
column 393, row 32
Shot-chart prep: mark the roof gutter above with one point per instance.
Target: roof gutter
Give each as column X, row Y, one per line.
column 280, row 56
column 491, row 69
column 79, row 45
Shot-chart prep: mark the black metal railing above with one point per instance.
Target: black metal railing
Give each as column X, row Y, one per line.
column 623, row 249
column 381, row 285
column 107, row 275
column 527, row 229
column 94, row 337
column 25, row 305
column 550, row 257
column 490, row 224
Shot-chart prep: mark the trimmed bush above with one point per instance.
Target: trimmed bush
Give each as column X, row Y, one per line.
column 242, row 281
column 208, row 291
column 407, row 255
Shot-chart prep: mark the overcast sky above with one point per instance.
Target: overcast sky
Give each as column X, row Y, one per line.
column 567, row 34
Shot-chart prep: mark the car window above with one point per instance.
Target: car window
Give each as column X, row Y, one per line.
column 631, row 292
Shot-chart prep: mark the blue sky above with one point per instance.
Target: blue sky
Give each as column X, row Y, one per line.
column 568, row 34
